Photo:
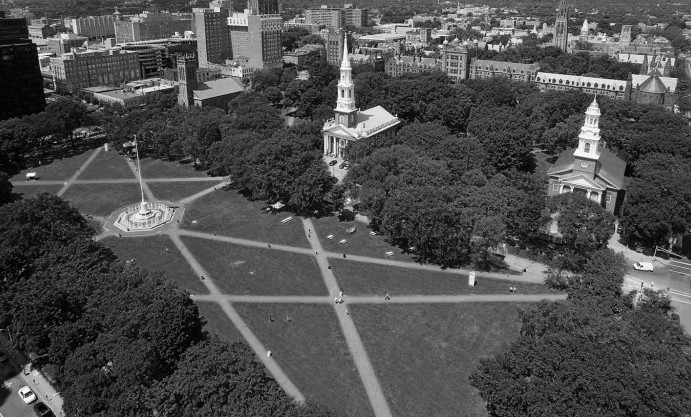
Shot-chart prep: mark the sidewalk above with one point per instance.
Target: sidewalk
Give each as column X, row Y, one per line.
column 34, row 379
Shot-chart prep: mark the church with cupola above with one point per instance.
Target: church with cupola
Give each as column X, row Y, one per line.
column 590, row 169
column 350, row 123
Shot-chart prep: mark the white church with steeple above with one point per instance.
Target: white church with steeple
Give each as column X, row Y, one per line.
column 350, row 123
column 590, row 169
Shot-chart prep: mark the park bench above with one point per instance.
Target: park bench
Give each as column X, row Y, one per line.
column 286, row 220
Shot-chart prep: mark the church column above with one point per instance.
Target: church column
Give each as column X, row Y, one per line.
column 587, row 194
column 561, row 189
column 326, row 144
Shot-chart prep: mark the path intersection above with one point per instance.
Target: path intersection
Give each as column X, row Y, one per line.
column 339, row 301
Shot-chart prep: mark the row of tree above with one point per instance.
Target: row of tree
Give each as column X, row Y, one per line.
column 600, row 352
column 123, row 341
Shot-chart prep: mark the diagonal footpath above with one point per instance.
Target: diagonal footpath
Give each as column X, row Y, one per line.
column 244, row 242
column 79, row 171
column 375, row 299
column 119, row 181
column 239, row 323
column 352, row 337
column 203, row 193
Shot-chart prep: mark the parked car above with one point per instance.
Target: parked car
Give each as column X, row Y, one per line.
column 332, row 163
column 643, row 266
column 27, row 395
column 344, row 164
column 42, row 410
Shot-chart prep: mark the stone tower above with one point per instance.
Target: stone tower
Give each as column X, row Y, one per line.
column 587, row 155
column 187, row 77
column 345, row 111
column 561, row 33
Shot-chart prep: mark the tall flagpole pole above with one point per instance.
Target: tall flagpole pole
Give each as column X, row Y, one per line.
column 141, row 185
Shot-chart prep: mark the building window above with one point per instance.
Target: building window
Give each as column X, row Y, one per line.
column 555, row 186
column 608, row 198
column 587, row 148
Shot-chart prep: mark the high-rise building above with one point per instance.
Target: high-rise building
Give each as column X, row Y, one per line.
column 257, row 37
column 334, row 45
column 94, row 26
column 263, row 7
column 455, row 61
column 213, row 35
column 65, row 42
column 21, row 82
column 334, row 19
column 561, row 33
column 147, row 26
column 73, row 71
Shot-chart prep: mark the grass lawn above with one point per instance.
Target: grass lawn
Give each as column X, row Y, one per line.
column 312, row 351
column 150, row 253
column 108, row 165
column 102, row 199
column 58, row 170
column 218, row 323
column 178, row 190
column 359, row 278
column 156, row 168
column 242, row 270
column 28, row 191
column 423, row 354
column 359, row 243
column 230, row 214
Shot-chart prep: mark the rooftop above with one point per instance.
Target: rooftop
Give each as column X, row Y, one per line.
column 216, row 88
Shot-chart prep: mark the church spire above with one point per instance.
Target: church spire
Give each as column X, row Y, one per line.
column 345, row 104
column 589, row 138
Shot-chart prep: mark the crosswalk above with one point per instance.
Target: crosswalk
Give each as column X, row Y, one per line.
column 680, row 266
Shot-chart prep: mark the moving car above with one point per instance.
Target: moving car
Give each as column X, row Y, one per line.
column 27, row 395
column 643, row 266
column 42, row 410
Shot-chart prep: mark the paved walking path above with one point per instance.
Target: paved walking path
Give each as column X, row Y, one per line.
column 118, row 181
column 203, row 193
column 79, row 171
column 375, row 299
column 239, row 323
column 245, row 242
column 352, row 337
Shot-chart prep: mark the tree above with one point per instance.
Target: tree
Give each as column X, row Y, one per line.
column 6, row 194
column 311, row 187
column 658, row 199
column 70, row 113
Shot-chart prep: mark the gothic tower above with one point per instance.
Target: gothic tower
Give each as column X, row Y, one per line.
column 587, row 154
column 345, row 111
column 561, row 33
column 187, row 77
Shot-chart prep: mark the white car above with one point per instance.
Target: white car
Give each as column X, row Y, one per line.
column 27, row 395
column 643, row 266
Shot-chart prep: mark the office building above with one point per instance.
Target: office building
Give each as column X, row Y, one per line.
column 213, row 35
column 334, row 18
column 263, row 7
column 257, row 37
column 152, row 58
column 65, row 43
column 41, row 31
column 147, row 26
column 334, row 45
column 94, row 26
column 455, row 62
column 21, row 82
column 73, row 71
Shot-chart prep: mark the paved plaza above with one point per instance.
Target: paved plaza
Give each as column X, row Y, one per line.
column 336, row 297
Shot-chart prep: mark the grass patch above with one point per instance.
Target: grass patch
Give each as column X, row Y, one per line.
column 359, row 278
column 243, row 270
column 164, row 191
column 28, row 191
column 107, row 165
column 57, row 170
column 150, row 253
column 218, row 323
column 156, row 168
column 230, row 214
column 423, row 354
column 359, row 243
column 102, row 199
column 312, row 351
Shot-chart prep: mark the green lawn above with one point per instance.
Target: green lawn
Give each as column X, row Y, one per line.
column 257, row 271
column 423, row 354
column 150, row 252
column 108, row 165
column 31, row 190
column 230, row 214
column 102, row 199
column 359, row 243
column 58, row 170
column 312, row 351
column 359, row 278
column 156, row 168
column 218, row 323
column 165, row 191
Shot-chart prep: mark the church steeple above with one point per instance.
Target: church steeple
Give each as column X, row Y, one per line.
column 345, row 104
column 589, row 138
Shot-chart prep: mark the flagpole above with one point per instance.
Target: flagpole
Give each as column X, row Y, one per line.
column 141, row 185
